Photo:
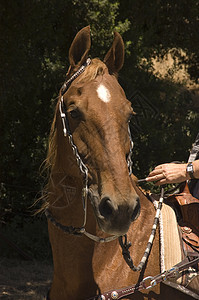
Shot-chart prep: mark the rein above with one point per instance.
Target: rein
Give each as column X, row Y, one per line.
column 125, row 245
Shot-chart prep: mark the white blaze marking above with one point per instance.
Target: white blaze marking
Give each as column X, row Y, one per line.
column 103, row 93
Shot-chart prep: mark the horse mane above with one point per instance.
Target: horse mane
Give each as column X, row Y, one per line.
column 96, row 68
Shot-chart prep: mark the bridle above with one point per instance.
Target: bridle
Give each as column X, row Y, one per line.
column 82, row 167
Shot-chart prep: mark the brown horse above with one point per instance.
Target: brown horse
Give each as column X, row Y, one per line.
column 89, row 149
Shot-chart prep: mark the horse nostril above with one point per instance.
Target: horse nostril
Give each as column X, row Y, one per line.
column 136, row 211
column 106, row 207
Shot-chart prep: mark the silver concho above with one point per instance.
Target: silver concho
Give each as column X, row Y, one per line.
column 114, row 295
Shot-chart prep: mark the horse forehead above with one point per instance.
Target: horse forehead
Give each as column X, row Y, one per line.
column 105, row 94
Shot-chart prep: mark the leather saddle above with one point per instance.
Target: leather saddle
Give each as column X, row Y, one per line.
column 187, row 211
column 186, row 208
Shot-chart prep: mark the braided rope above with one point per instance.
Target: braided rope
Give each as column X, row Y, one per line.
column 126, row 245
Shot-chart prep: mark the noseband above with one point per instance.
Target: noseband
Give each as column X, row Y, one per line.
column 83, row 168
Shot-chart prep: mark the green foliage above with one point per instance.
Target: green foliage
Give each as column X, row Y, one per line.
column 36, row 36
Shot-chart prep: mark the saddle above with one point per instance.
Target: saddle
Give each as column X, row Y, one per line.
column 186, row 208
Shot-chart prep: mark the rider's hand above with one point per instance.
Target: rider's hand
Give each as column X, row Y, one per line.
column 168, row 173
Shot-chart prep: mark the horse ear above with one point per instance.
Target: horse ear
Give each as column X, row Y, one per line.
column 80, row 47
column 114, row 59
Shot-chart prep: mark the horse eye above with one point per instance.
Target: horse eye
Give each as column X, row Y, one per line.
column 75, row 113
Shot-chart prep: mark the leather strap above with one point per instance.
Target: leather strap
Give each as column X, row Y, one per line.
column 152, row 281
column 190, row 170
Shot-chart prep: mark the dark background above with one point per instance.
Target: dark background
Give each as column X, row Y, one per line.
column 35, row 38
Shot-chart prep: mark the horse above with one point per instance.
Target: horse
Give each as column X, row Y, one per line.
column 89, row 158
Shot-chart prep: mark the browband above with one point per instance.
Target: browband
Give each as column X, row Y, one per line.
column 67, row 83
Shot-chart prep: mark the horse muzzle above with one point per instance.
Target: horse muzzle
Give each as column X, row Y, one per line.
column 115, row 217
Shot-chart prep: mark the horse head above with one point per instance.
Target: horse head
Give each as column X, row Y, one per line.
column 98, row 115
